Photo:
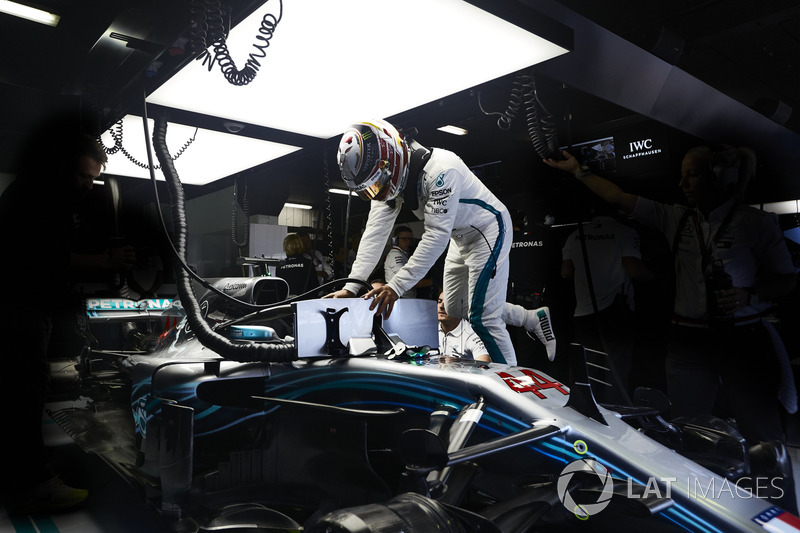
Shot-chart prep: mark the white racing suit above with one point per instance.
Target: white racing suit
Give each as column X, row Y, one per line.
column 396, row 259
column 456, row 208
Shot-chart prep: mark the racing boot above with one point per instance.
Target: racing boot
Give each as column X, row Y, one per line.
column 540, row 327
column 51, row 496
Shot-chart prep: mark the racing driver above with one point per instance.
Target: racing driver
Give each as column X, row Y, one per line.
column 380, row 165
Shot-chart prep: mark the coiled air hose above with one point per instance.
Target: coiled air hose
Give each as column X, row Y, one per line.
column 540, row 124
column 245, row 352
column 208, row 29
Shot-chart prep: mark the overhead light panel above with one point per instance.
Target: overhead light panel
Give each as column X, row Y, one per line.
column 780, row 208
column 343, row 192
column 205, row 155
column 29, row 13
column 318, row 77
column 454, row 130
column 297, row 206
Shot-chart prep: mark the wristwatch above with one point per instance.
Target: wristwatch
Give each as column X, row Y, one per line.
column 583, row 170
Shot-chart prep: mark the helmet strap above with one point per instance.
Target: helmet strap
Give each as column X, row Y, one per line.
column 419, row 156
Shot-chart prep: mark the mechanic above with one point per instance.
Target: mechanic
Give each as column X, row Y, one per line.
column 380, row 165
column 321, row 265
column 297, row 269
column 40, row 211
column 397, row 257
column 456, row 336
column 603, row 318
column 717, row 336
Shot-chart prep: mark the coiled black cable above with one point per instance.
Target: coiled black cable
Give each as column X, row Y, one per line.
column 211, row 31
column 215, row 20
column 216, row 34
column 198, row 29
column 117, row 134
column 514, row 103
column 540, row 124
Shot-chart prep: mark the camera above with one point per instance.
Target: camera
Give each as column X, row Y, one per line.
column 717, row 282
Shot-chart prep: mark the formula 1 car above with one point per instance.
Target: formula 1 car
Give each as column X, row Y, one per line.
column 363, row 427
column 259, row 413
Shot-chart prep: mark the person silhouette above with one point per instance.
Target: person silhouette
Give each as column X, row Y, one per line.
column 715, row 334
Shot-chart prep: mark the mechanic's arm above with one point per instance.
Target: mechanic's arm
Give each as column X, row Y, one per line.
column 776, row 272
column 777, row 276
column 605, row 189
column 478, row 349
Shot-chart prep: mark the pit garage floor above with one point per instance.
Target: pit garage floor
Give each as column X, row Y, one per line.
column 113, row 505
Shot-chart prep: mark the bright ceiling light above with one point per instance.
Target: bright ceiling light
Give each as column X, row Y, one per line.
column 29, row 13
column 780, row 208
column 455, row 130
column 212, row 155
column 297, row 206
column 318, row 76
column 343, row 192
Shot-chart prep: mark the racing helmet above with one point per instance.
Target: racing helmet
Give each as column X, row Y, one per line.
column 373, row 159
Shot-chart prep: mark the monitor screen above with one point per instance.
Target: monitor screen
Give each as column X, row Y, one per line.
column 793, row 235
column 597, row 154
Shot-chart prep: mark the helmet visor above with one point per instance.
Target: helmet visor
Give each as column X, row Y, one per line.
column 374, row 187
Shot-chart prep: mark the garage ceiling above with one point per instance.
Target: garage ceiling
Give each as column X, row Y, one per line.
column 740, row 52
